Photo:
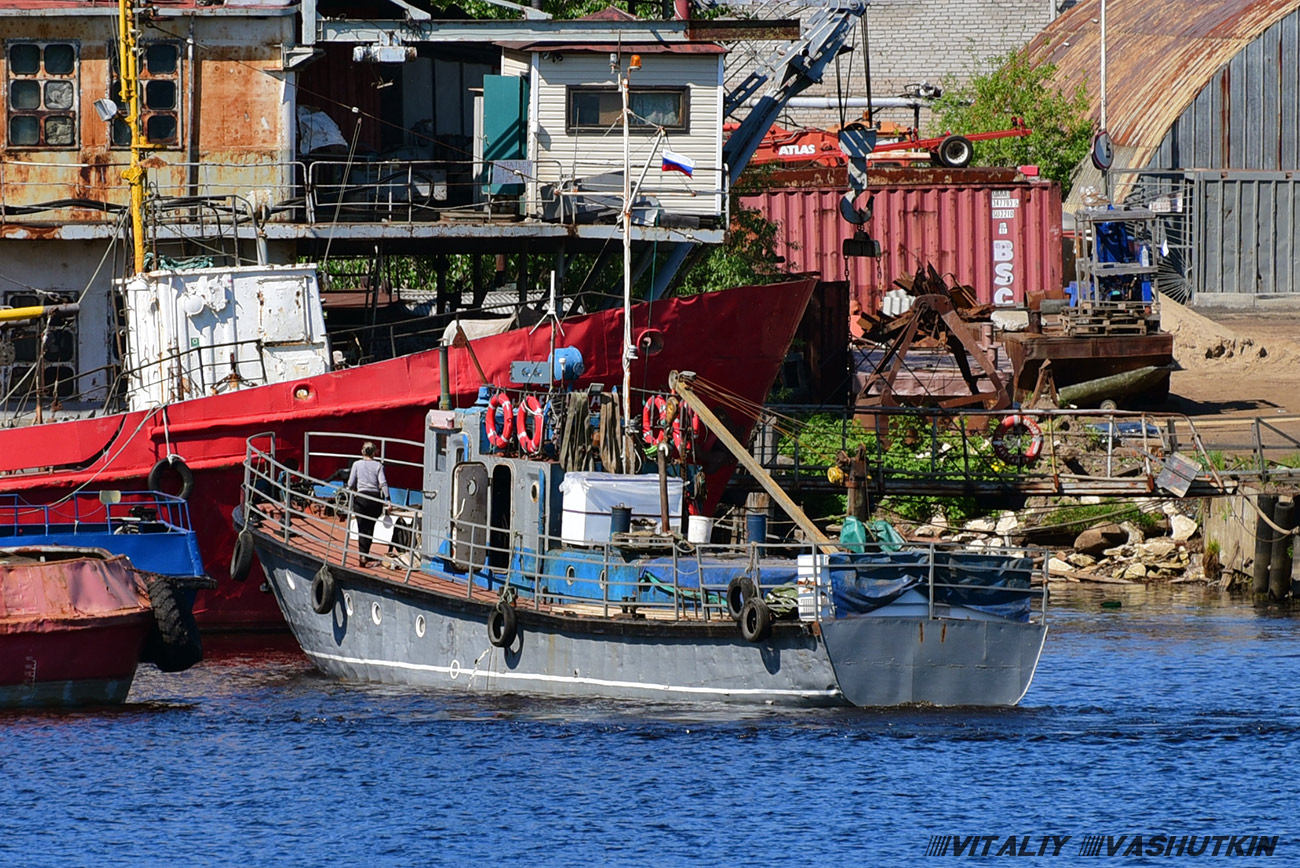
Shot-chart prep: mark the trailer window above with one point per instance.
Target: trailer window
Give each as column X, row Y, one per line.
column 599, row 108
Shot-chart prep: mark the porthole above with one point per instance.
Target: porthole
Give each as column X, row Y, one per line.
column 288, row 578
column 419, row 626
column 302, row 392
column 374, row 613
column 535, row 491
column 569, row 574
column 347, row 603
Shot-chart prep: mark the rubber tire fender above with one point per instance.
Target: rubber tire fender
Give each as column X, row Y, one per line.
column 955, row 152
column 503, row 625
column 755, row 620
column 739, row 590
column 322, row 591
column 174, row 644
column 182, row 469
column 241, row 557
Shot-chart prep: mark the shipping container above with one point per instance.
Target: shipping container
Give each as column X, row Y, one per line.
column 994, row 229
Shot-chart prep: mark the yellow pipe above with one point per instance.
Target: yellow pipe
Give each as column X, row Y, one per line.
column 131, row 95
column 18, row 313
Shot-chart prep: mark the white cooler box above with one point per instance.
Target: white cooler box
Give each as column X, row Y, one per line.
column 589, row 497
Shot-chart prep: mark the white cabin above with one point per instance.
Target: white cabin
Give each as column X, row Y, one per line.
column 213, row 330
column 575, row 129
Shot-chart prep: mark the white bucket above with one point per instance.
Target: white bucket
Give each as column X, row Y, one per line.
column 699, row 529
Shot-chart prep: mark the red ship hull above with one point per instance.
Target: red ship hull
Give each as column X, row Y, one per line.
column 737, row 339
column 71, row 630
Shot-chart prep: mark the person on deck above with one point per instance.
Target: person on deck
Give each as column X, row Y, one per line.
column 367, row 479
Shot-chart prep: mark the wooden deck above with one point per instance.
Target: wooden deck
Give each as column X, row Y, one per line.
column 323, row 537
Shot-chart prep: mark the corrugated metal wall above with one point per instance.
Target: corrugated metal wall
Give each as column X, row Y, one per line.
column 1003, row 238
column 1246, row 226
column 1247, row 116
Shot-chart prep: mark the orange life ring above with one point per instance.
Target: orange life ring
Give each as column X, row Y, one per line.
column 499, row 440
column 531, row 443
column 1018, row 440
column 652, row 415
column 685, row 445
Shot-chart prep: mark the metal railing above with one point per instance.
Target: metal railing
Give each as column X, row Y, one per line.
column 1077, row 452
column 84, row 510
column 325, row 191
column 596, row 579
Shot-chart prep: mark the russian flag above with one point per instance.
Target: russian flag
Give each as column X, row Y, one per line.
column 678, row 163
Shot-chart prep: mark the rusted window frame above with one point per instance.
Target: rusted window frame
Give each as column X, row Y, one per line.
column 576, row 89
column 145, row 76
column 42, row 113
column 36, row 330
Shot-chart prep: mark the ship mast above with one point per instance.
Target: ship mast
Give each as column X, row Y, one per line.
column 134, row 175
column 629, row 350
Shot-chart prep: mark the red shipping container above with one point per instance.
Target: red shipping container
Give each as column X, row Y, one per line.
column 993, row 229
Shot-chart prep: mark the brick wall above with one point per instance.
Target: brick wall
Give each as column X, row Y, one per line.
column 918, row 40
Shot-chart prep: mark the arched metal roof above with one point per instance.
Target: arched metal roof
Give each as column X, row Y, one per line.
column 1159, row 57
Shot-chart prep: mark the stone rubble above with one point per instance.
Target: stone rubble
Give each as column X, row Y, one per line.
column 1107, row 552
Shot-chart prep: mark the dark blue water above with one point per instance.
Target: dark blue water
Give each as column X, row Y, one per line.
column 1171, row 715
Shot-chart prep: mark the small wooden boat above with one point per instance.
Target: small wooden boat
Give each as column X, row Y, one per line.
column 76, row 622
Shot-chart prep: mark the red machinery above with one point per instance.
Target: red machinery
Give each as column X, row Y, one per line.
column 821, row 148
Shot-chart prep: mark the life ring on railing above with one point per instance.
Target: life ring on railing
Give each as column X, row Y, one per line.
column 1018, row 440
column 685, row 437
column 499, row 439
column 182, row 469
column 531, row 442
column 652, row 418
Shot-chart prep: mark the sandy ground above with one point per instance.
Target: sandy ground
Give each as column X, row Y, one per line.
column 1234, row 363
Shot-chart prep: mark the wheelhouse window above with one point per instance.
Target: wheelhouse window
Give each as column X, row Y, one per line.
column 41, row 85
column 160, row 78
column 596, row 109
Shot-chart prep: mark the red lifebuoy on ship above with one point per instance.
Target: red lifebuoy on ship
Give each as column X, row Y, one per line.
column 499, row 439
column 685, row 436
column 1018, row 440
column 652, row 417
column 531, row 441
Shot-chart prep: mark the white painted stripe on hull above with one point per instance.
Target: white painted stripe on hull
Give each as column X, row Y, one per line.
column 577, row 679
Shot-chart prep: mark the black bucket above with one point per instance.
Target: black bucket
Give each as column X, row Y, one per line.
column 620, row 519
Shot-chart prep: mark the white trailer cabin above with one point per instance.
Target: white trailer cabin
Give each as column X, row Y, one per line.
column 575, row 133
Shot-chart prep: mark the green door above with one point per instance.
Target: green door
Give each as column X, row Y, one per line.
column 505, row 124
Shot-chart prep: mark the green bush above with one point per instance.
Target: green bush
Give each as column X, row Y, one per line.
column 1011, row 86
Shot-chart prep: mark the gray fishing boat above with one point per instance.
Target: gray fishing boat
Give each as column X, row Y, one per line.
column 505, row 573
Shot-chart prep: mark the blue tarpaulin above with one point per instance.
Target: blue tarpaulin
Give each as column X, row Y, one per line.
column 993, row 584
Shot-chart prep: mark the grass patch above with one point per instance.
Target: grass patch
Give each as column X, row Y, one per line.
column 1080, row 517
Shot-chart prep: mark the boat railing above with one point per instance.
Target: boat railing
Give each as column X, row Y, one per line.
column 654, row 576
column 214, row 377
column 120, row 512
column 341, row 448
